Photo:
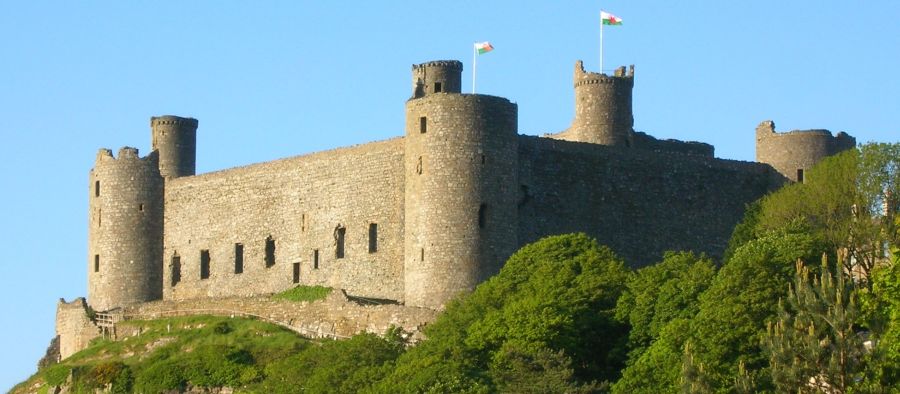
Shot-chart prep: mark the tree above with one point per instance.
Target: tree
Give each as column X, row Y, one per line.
column 549, row 309
column 813, row 345
column 849, row 200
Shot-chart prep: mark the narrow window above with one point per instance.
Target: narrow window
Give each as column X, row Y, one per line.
column 373, row 237
column 270, row 252
column 419, row 166
column 800, row 175
column 204, row 264
column 96, row 263
column 482, row 159
column 96, row 188
column 99, row 217
column 423, row 125
column 141, row 207
column 437, row 87
column 176, row 269
column 422, row 254
column 238, row 258
column 303, row 223
column 482, row 215
column 296, row 272
column 315, row 259
column 339, row 234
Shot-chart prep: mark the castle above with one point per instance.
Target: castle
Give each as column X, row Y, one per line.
column 422, row 217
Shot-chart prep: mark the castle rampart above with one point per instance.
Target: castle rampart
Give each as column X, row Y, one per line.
column 298, row 203
column 794, row 152
column 125, row 231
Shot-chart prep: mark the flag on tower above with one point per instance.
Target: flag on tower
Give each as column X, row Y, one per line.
column 610, row 19
column 483, row 47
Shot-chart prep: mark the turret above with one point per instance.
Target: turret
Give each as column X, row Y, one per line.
column 439, row 76
column 461, row 169
column 602, row 107
column 125, row 234
column 793, row 152
column 175, row 138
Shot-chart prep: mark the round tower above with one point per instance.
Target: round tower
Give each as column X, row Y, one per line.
column 794, row 152
column 602, row 107
column 439, row 76
column 461, row 168
column 125, row 234
column 175, row 138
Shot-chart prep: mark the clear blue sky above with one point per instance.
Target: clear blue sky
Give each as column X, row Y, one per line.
column 276, row 79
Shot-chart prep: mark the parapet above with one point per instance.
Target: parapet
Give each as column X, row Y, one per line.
column 173, row 120
column 619, row 75
column 446, row 64
column 125, row 153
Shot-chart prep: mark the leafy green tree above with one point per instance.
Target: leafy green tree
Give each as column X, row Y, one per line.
column 843, row 201
column 731, row 323
column 557, row 295
column 659, row 293
column 881, row 307
column 813, row 345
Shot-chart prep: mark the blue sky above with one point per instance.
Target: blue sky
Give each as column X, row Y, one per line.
column 276, row 79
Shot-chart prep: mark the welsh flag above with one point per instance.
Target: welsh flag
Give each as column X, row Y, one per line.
column 483, row 47
column 610, row 19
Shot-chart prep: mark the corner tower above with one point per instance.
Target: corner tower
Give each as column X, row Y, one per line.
column 793, row 152
column 439, row 76
column 175, row 138
column 602, row 107
column 125, row 234
column 461, row 171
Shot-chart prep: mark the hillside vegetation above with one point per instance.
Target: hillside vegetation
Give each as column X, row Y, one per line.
column 780, row 313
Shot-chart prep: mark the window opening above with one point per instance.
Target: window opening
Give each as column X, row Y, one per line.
column 303, row 223
column 373, row 237
column 176, row 269
column 339, row 235
column 238, row 258
column 800, row 175
column 97, row 189
column 99, row 217
column 423, row 125
column 270, row 252
column 419, row 166
column 422, row 254
column 96, row 263
column 296, row 272
column 482, row 215
column 437, row 87
column 204, row 264
column 315, row 259
column 141, row 207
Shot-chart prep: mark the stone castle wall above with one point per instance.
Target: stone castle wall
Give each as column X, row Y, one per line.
column 74, row 327
column 299, row 203
column 640, row 203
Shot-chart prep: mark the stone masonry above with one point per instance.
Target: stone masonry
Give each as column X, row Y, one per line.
column 420, row 218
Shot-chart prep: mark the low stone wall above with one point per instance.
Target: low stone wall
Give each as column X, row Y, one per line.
column 74, row 327
column 334, row 317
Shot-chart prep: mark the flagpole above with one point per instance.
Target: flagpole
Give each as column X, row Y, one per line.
column 601, row 42
column 474, row 66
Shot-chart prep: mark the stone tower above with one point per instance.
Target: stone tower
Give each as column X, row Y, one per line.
column 602, row 107
column 125, row 234
column 461, row 170
column 794, row 152
column 440, row 76
column 175, row 138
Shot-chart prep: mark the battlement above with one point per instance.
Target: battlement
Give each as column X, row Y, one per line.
column 583, row 77
column 125, row 153
column 173, row 120
column 447, row 64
